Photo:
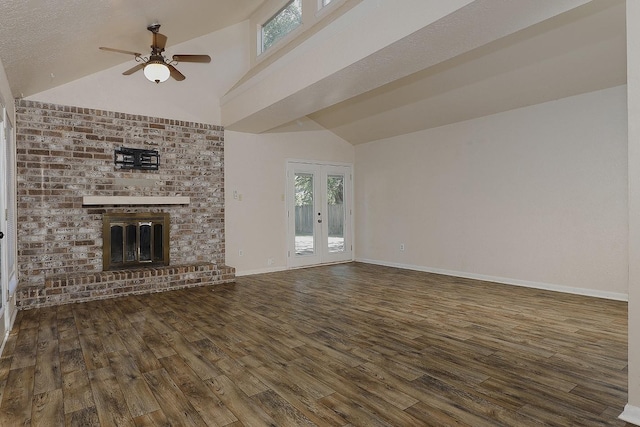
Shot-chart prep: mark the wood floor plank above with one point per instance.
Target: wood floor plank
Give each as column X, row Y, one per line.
column 48, row 376
column 466, row 404
column 48, row 325
column 154, row 340
column 192, row 356
column 342, row 345
column 375, row 401
column 87, row 417
column 154, row 419
column 175, row 406
column 241, row 377
column 144, row 358
column 210, row 350
column 353, row 412
column 77, row 391
column 241, row 405
column 5, row 365
column 110, row 402
column 304, row 393
column 16, row 406
column 72, row 360
column 48, row 409
column 68, row 339
column 535, row 369
column 283, row 413
column 378, row 385
column 135, row 390
column 24, row 353
column 83, row 319
column 205, row 402
column 93, row 352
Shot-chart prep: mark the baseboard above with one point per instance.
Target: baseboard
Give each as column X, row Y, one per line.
column 4, row 341
column 631, row 414
column 259, row 271
column 276, row 269
column 12, row 320
column 506, row 281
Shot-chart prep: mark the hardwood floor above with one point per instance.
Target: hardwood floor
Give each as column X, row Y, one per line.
column 349, row 344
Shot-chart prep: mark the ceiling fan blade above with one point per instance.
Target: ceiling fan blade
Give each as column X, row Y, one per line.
column 126, row 52
column 134, row 69
column 192, row 58
column 160, row 40
column 175, row 73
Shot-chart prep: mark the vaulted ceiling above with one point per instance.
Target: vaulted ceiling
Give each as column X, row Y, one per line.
column 579, row 51
column 44, row 44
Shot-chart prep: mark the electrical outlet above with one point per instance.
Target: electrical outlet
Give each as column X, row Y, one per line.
column 270, row 261
column 240, row 252
column 402, row 247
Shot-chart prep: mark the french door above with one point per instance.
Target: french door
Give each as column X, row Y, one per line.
column 318, row 213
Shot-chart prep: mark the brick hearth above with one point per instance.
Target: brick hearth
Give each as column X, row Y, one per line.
column 65, row 153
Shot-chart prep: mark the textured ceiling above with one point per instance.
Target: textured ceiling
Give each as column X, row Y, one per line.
column 46, row 43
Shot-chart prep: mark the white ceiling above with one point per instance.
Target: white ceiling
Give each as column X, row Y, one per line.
column 41, row 38
column 578, row 51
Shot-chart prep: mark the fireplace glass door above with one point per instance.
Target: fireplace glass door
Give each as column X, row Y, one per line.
column 135, row 240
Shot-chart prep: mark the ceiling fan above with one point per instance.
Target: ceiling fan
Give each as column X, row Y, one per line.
column 156, row 67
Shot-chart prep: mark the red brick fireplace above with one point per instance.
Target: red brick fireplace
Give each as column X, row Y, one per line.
column 67, row 181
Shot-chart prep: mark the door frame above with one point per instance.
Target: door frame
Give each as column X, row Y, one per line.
column 320, row 258
column 9, row 273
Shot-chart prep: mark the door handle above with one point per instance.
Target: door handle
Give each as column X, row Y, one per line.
column 1, row 234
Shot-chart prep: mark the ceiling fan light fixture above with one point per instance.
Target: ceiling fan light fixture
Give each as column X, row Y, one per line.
column 156, row 71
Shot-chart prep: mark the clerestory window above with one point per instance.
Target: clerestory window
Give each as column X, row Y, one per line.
column 282, row 23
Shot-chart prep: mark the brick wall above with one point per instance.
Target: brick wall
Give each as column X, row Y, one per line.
column 65, row 153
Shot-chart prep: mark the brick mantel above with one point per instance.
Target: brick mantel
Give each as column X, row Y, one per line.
column 67, row 180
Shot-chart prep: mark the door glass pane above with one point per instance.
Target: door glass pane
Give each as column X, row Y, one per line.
column 305, row 239
column 335, row 213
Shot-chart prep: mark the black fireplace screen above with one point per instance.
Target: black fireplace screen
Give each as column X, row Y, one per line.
column 135, row 240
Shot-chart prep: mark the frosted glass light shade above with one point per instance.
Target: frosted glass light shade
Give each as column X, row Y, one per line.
column 157, row 72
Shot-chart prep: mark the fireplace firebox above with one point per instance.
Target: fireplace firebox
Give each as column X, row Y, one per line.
column 135, row 240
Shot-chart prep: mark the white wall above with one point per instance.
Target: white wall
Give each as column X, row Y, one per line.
column 6, row 98
column 632, row 409
column 534, row 196
column 255, row 167
column 195, row 99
